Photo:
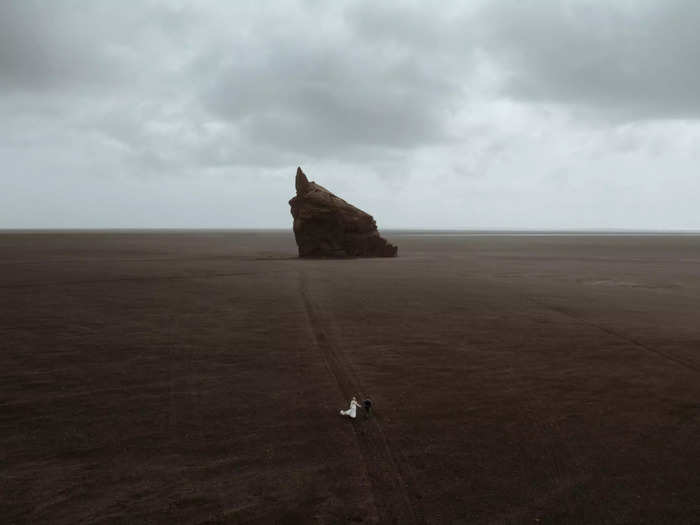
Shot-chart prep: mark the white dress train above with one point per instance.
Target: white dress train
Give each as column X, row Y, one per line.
column 352, row 411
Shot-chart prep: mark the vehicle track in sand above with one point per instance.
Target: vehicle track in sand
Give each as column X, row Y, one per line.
column 581, row 319
column 393, row 489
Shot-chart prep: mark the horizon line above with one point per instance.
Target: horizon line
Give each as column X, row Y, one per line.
column 386, row 229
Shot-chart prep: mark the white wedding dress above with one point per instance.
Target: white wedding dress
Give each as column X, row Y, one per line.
column 352, row 411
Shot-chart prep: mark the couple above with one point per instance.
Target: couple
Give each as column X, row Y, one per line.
column 352, row 410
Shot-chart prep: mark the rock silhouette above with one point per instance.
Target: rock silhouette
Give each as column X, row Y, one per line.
column 327, row 226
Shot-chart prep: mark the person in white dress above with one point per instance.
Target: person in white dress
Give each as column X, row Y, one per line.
column 352, row 411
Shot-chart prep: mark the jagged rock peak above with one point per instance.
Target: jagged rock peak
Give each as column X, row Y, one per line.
column 302, row 182
column 327, row 226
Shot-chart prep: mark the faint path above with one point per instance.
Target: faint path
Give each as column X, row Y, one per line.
column 558, row 457
column 394, row 491
column 564, row 478
column 580, row 319
column 138, row 279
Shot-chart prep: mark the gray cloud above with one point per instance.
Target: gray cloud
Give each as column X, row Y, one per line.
column 499, row 113
column 45, row 48
column 631, row 60
column 309, row 94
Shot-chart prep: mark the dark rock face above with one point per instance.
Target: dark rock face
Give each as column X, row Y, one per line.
column 327, row 226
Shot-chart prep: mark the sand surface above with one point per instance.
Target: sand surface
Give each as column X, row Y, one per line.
column 196, row 377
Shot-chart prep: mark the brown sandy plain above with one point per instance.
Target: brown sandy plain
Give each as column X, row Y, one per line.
column 196, row 377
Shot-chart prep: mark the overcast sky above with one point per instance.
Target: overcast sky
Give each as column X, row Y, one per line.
column 504, row 114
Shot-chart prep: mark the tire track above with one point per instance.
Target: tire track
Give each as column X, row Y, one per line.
column 395, row 494
column 137, row 279
column 582, row 320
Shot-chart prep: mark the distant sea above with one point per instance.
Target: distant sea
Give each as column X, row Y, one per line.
column 541, row 233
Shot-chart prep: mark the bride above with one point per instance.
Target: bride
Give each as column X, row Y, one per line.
column 352, row 411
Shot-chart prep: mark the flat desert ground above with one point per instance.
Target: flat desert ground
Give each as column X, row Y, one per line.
column 196, row 377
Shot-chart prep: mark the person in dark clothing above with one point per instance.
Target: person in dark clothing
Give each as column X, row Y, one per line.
column 367, row 403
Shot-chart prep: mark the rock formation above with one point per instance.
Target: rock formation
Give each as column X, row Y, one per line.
column 327, row 226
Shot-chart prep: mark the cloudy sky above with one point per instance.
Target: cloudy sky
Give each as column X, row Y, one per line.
column 502, row 114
